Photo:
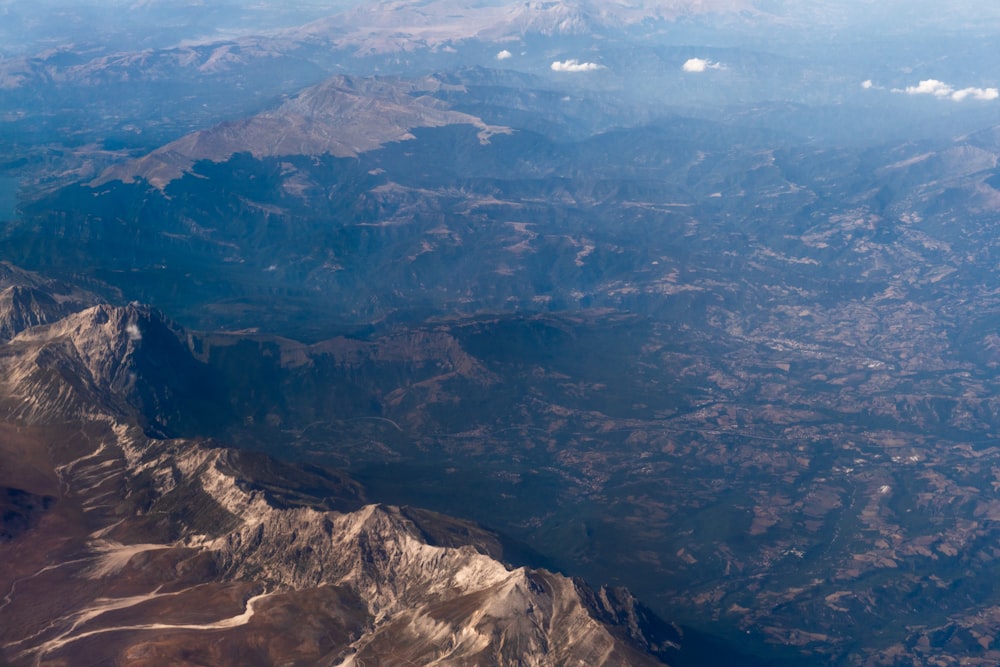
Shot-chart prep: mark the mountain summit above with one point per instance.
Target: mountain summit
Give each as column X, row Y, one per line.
column 343, row 117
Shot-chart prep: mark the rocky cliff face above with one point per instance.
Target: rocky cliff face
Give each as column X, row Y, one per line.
column 28, row 299
column 127, row 360
column 140, row 550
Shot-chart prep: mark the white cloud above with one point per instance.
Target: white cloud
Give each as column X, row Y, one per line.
column 930, row 87
column 132, row 331
column 574, row 65
column 943, row 90
column 976, row 94
column 503, row 55
column 867, row 83
column 700, row 65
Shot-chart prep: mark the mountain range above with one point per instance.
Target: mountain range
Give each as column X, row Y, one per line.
column 123, row 547
column 448, row 332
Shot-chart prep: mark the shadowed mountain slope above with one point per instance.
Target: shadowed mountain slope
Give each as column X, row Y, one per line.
column 121, row 547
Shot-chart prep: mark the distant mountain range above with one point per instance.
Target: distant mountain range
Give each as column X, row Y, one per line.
column 341, row 117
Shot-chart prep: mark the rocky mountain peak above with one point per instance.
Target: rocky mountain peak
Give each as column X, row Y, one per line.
column 28, row 300
column 23, row 307
column 103, row 338
column 125, row 360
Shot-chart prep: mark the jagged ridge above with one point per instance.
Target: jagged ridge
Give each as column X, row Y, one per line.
column 184, row 538
column 129, row 359
column 28, row 300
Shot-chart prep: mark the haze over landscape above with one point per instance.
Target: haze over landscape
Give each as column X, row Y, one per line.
column 490, row 333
